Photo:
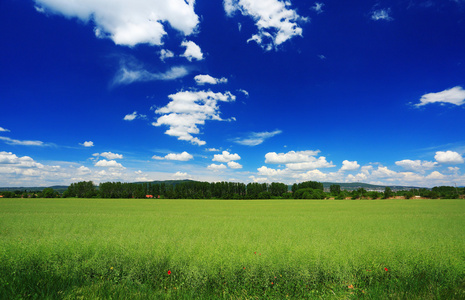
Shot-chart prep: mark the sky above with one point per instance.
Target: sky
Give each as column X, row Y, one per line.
column 233, row 90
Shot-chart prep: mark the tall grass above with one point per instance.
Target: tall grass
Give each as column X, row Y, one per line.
column 94, row 248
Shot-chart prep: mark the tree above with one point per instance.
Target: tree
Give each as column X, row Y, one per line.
column 387, row 192
column 335, row 189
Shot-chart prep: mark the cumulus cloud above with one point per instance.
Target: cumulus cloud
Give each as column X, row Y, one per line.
column 318, row 7
column 204, row 79
column 164, row 54
column 290, row 157
column 256, row 138
column 87, row 144
column 349, row 165
column 128, row 22
column 181, row 175
column 381, row 14
column 215, row 167
column 265, row 171
column 455, row 95
column 416, row 165
column 226, row 157
column 109, row 155
column 109, row 164
column 187, row 110
column 448, row 157
column 130, row 117
column 435, row 175
column 234, row 165
column 184, row 156
column 193, row 51
column 128, row 75
column 3, row 130
column 383, row 172
column 275, row 20
column 10, row 141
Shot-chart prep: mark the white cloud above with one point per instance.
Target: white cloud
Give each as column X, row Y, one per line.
column 455, row 95
column 109, row 164
column 87, row 144
column 215, row 167
column 322, row 57
column 290, row 157
column 193, row 51
column 314, row 163
column 275, row 21
column 204, row 79
column 259, row 179
column 383, row 172
column 181, row 175
column 109, row 155
column 187, row 110
column 381, row 14
column 128, row 22
column 10, row 141
column 318, row 7
column 243, row 92
column 164, row 54
column 416, row 165
column 349, row 165
column 256, row 138
column 226, row 157
column 448, row 157
column 234, row 165
column 265, row 171
column 184, row 156
column 130, row 117
column 3, row 130
column 212, row 150
column 435, row 175
column 128, row 75
column 314, row 175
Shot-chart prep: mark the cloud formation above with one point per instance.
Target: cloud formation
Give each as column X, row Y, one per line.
column 226, row 157
column 109, row 155
column 3, row 130
column 275, row 20
column 256, row 138
column 349, row 165
column 128, row 75
column 184, row 156
column 87, row 144
column 204, row 79
column 455, row 95
column 416, row 165
column 381, row 14
column 128, row 22
column 10, row 141
column 187, row 110
column 192, row 52
column 448, row 157
column 109, row 164
column 318, row 7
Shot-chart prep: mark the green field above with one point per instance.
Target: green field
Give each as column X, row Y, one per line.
column 94, row 248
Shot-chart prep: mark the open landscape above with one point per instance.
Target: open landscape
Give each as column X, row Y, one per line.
column 247, row 249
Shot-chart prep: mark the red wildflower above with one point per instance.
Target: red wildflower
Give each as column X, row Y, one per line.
column 255, row 253
column 272, row 283
column 386, row 269
column 169, row 272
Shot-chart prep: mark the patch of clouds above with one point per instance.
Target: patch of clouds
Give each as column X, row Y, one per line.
column 275, row 20
column 212, row 150
column 290, row 157
column 204, row 79
column 109, row 164
column 322, row 57
column 383, row 172
column 127, row 75
column 416, row 165
column 133, row 116
column 455, row 95
column 181, row 175
column 225, row 157
column 87, row 144
column 318, row 7
column 4, row 129
column 382, row 14
column 234, row 165
column 15, row 142
column 435, row 175
column 256, row 138
column 109, row 155
column 192, row 51
column 216, row 167
column 128, row 23
column 243, row 92
column 184, row 156
column 448, row 157
column 187, row 110
column 164, row 54
column 349, row 165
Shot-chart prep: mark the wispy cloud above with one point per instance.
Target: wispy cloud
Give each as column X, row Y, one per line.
column 382, row 14
column 4, row 130
column 318, row 7
column 10, row 141
column 455, row 95
column 256, row 138
column 127, row 75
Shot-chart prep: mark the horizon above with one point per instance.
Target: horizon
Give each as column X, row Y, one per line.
column 237, row 91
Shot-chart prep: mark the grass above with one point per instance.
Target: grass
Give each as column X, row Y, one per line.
column 101, row 248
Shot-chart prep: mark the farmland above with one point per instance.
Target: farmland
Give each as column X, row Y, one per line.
column 133, row 248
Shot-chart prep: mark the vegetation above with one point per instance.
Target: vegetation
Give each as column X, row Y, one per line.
column 152, row 249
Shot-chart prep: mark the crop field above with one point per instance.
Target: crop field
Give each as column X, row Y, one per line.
column 213, row 249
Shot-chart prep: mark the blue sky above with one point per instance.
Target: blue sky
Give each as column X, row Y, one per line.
column 234, row 90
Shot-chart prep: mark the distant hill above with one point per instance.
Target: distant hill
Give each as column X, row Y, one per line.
column 356, row 185
column 58, row 188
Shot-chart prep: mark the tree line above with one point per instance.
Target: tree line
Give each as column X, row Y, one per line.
column 230, row 190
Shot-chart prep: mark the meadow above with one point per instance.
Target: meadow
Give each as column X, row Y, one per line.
column 213, row 249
